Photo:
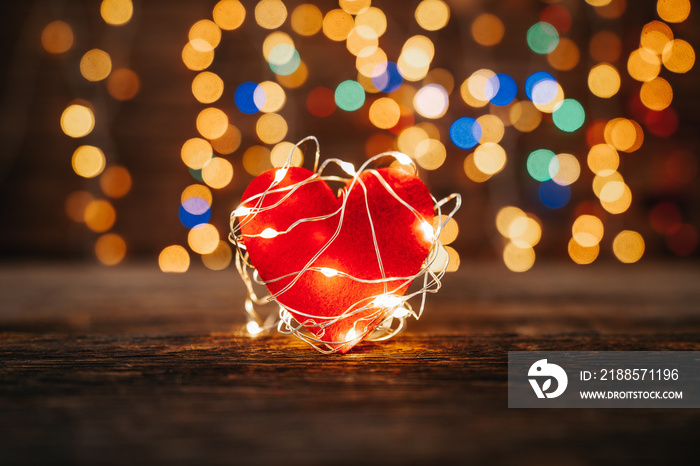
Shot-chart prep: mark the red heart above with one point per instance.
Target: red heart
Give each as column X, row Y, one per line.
column 400, row 239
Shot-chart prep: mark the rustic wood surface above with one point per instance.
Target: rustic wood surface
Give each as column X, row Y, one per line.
column 128, row 365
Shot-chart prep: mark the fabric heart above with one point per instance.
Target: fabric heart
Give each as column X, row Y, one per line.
column 322, row 271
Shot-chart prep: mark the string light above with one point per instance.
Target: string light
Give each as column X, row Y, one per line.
column 385, row 313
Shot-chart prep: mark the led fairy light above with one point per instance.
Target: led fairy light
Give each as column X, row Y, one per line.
column 376, row 317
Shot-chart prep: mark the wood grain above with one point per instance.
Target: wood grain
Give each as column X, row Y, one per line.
column 138, row 379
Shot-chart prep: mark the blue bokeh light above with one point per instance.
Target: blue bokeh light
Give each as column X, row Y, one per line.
column 194, row 211
column 245, row 97
column 554, row 195
column 465, row 132
column 541, row 87
column 501, row 89
column 389, row 78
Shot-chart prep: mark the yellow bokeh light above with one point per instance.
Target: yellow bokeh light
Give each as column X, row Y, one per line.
column 275, row 97
column 220, row 258
column 566, row 56
column 205, row 35
column 567, row 169
column 612, row 191
column 473, row 90
column 115, row 181
column 307, row 19
column 203, row 238
column 217, row 173
column 655, row 36
column 598, row 2
column 582, row 254
column 88, row 161
column 196, row 152
column 623, row 134
column 196, row 190
column 673, row 11
column 628, row 246
column 587, row 230
column 409, row 139
column 95, row 65
column 374, row 18
column 551, row 105
column 473, row 172
column 75, row 205
column 453, row 264
column 77, row 121
column 296, row 79
column 110, row 249
column 490, row 158
column 432, row 15
column 57, row 37
column 196, row 60
column 620, row 205
column 116, row 12
column 256, row 159
column 442, row 77
column 229, row 142
column 280, row 154
column 492, row 128
column 518, row 259
column 99, row 215
column 384, row 113
column 430, row 154
column 601, row 180
column 207, row 87
column 354, row 7
column 487, row 29
column 275, row 39
column 524, row 116
column 449, row 232
column 270, row 14
column 123, row 84
column 506, row 217
column 368, row 61
column 525, row 232
column 656, row 94
column 174, row 259
column 229, row 14
column 271, row 128
column 603, row 159
column 212, row 123
column 337, row 24
column 361, row 37
column 678, row 56
column 604, row 80
column 643, row 65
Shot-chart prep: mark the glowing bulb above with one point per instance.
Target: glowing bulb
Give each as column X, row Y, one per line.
column 268, row 233
column 329, row 272
column 241, row 211
column 351, row 335
column 403, row 159
column 253, row 328
column 279, row 176
column 388, row 301
column 428, row 232
column 348, row 168
column 401, row 312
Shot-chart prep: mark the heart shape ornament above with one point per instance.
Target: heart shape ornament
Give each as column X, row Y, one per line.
column 337, row 264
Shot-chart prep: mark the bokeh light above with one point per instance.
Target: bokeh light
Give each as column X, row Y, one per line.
column 203, row 239
column 349, row 95
column 229, row 14
column 217, row 173
column 271, row 128
column 212, row 123
column 204, row 35
column 95, row 65
column 432, row 15
column 116, row 12
column 99, row 215
column 307, row 19
column 628, row 246
column 220, row 258
column 57, row 37
column 673, row 11
column 88, row 161
column 229, row 142
column 678, row 56
column 110, row 249
column 77, row 121
column 384, row 113
column 490, row 158
column 542, row 38
column 115, row 181
column 270, row 14
column 207, row 87
column 656, row 94
column 487, row 29
column 337, row 24
column 431, row 101
column 604, row 80
column 569, row 115
column 174, row 259
column 501, row 89
column 196, row 152
column 123, row 84
column 465, row 132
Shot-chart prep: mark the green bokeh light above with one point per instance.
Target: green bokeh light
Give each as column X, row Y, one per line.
column 569, row 115
column 538, row 164
column 542, row 38
column 349, row 95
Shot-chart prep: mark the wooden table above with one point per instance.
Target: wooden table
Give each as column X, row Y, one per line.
column 129, row 365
